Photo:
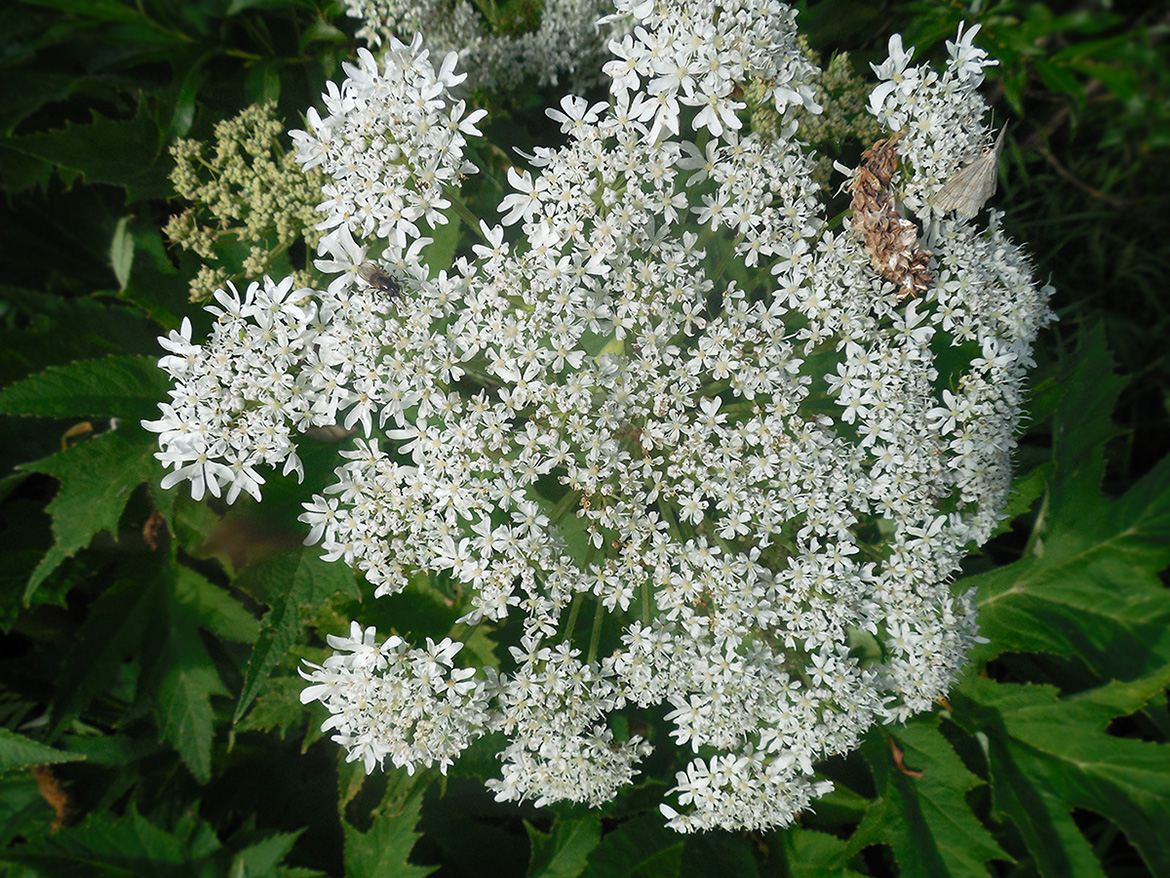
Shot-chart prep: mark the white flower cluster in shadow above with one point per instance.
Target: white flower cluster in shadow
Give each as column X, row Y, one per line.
column 564, row 47
column 678, row 431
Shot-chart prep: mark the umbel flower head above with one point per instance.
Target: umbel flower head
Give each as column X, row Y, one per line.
column 679, row 433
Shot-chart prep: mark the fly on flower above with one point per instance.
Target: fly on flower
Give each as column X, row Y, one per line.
column 379, row 279
column 968, row 190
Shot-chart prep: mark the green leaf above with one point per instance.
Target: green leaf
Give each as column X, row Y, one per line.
column 235, row 7
column 118, row 152
column 59, row 330
column 812, row 854
column 1083, row 426
column 26, row 538
column 21, row 173
column 97, row 478
column 122, row 252
column 17, row 751
column 1048, row 755
column 262, row 857
column 263, row 80
column 1026, row 490
column 925, row 820
column 563, row 853
column 718, row 853
column 1095, row 585
column 23, row 810
column 115, row 750
column 123, row 387
column 100, row 10
column 322, row 30
column 446, row 238
column 1060, row 80
column 277, row 708
column 1124, row 81
column 1092, row 578
column 113, row 632
column 481, row 649
column 125, row 846
column 297, row 584
column 351, row 776
column 641, row 847
column 23, row 92
column 184, row 110
column 218, row 612
column 385, row 848
column 186, row 680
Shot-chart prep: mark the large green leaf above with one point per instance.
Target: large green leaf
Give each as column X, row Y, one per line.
column 17, row 751
column 641, row 847
column 1048, row 755
column 218, row 612
column 120, row 152
column 718, row 853
column 55, row 330
column 295, row 585
column 1082, row 427
column 262, row 857
column 278, row 709
column 124, row 846
column 385, row 848
column 1094, row 586
column 812, row 854
column 113, row 632
column 1090, row 579
column 112, row 387
column 563, row 852
column 925, row 820
column 97, row 478
column 24, row 813
column 185, row 686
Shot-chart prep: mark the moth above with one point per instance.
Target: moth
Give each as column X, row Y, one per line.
column 968, row 190
column 379, row 279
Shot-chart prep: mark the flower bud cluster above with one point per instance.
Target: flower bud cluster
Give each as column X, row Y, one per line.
column 678, row 435
column 248, row 190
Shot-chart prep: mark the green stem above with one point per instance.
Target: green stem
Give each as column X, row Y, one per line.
column 721, row 268
column 558, row 512
column 479, row 376
column 462, row 632
column 670, row 516
column 574, row 610
column 595, row 634
column 465, row 213
column 1038, row 528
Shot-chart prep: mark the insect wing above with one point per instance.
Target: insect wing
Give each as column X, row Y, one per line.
column 969, row 189
column 378, row 279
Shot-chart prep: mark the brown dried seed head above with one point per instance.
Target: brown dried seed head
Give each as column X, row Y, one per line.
column 890, row 240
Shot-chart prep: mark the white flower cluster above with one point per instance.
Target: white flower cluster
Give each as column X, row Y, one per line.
column 565, row 44
column 390, row 143
column 681, row 434
column 422, row 701
column 938, row 131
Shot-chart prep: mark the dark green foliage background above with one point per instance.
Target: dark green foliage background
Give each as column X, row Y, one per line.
column 149, row 720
